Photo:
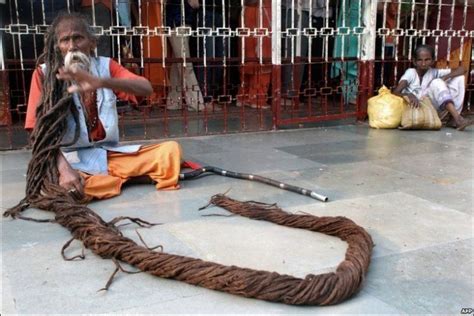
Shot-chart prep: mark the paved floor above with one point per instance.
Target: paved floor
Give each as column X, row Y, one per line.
column 413, row 192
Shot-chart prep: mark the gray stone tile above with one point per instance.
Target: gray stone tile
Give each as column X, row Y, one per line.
column 266, row 140
column 209, row 302
column 346, row 181
column 260, row 245
column 14, row 159
column 457, row 195
column 434, row 280
column 447, row 136
column 198, row 146
column 257, row 162
column 399, row 222
column 411, row 190
column 153, row 208
column 366, row 149
column 441, row 167
column 71, row 287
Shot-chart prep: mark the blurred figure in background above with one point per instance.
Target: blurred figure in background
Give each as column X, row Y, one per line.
column 255, row 77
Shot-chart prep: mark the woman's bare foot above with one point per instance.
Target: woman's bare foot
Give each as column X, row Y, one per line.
column 461, row 123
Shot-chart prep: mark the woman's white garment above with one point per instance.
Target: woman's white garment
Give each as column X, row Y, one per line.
column 436, row 89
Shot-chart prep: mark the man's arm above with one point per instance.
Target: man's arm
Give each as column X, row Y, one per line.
column 69, row 178
column 84, row 82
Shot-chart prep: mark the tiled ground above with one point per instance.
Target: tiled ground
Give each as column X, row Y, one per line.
column 412, row 190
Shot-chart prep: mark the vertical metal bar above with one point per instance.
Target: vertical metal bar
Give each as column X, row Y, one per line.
column 309, row 59
column 260, row 25
column 33, row 23
column 463, row 28
column 410, row 39
column 384, row 25
column 438, row 21
column 93, row 13
column 360, row 16
column 397, row 38
column 298, row 38
column 142, row 62
column 163, row 38
column 118, row 36
column 366, row 69
column 43, row 12
column 369, row 16
column 425, row 20
column 204, row 40
column 343, row 37
column 276, row 60
column 451, row 24
column 22, row 67
column 242, row 39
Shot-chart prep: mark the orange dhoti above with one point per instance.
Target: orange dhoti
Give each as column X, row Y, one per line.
column 161, row 162
column 255, row 77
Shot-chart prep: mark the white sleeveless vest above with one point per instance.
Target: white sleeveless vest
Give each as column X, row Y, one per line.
column 84, row 155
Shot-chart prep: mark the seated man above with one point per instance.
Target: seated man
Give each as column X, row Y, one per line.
column 95, row 165
column 444, row 87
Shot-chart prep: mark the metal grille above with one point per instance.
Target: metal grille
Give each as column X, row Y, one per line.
column 245, row 67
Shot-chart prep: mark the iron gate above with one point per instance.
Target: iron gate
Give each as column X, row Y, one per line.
column 244, row 65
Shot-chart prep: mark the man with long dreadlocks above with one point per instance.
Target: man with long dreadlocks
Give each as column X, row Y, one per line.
column 92, row 164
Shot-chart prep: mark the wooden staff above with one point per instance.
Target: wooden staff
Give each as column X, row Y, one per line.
column 245, row 176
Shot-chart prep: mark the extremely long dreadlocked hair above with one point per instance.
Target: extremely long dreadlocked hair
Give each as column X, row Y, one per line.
column 105, row 239
column 52, row 112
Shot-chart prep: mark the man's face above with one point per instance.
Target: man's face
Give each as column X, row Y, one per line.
column 71, row 37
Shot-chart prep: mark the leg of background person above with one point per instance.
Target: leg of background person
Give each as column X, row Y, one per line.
column 243, row 93
column 317, row 51
column 259, row 83
column 217, row 50
column 174, row 99
column 301, row 67
column 193, row 96
column 153, row 48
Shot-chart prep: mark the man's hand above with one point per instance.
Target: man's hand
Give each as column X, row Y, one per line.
column 69, row 178
column 413, row 100
column 83, row 80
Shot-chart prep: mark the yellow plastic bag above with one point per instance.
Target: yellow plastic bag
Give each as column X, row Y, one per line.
column 423, row 117
column 385, row 109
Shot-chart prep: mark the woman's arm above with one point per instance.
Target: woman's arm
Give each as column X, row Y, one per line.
column 411, row 97
column 460, row 71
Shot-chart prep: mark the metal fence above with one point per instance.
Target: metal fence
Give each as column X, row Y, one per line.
column 239, row 65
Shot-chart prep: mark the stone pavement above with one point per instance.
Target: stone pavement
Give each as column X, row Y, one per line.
column 412, row 191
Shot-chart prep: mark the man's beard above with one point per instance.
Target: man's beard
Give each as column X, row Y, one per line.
column 77, row 60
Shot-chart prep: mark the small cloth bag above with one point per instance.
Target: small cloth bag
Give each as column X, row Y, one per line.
column 423, row 117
